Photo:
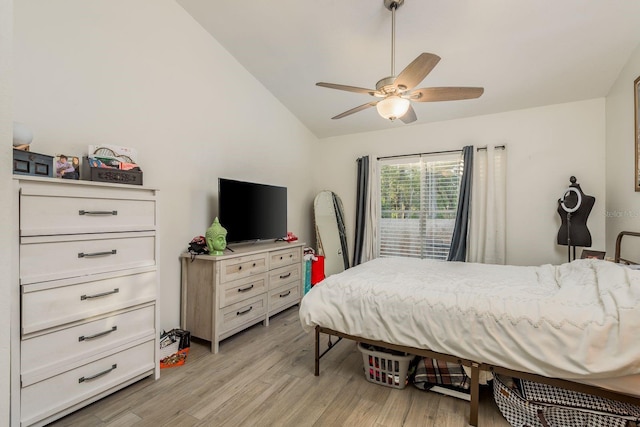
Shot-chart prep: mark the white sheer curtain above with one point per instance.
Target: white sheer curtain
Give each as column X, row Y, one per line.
column 487, row 231
column 370, row 245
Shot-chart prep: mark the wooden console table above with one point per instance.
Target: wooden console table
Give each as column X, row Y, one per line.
column 223, row 295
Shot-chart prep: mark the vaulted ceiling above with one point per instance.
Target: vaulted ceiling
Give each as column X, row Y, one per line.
column 525, row 53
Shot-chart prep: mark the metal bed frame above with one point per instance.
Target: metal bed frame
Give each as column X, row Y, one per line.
column 476, row 367
column 618, row 259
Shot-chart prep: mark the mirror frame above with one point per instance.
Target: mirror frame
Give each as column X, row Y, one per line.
column 636, row 120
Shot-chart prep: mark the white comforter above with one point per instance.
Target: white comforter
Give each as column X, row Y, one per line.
column 576, row 320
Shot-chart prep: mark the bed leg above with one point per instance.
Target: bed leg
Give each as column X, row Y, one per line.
column 475, row 394
column 317, row 368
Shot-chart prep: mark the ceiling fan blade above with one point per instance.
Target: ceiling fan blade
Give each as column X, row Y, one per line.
column 415, row 72
column 433, row 94
column 355, row 110
column 409, row 116
column 371, row 92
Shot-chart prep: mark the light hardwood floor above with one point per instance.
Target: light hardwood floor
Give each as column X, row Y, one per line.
column 264, row 377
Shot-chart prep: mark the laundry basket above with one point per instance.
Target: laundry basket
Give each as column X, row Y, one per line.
column 385, row 367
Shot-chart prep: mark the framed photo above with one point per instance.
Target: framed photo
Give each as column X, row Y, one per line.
column 587, row 254
column 636, row 115
column 67, row 166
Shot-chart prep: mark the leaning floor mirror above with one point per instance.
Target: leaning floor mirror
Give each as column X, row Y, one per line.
column 330, row 232
column 636, row 111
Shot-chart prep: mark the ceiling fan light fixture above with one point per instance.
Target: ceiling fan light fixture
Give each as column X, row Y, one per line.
column 396, row 92
column 393, row 107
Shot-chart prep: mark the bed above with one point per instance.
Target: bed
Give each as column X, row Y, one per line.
column 551, row 324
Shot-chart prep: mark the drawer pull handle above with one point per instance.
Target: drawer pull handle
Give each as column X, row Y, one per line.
column 245, row 289
column 83, row 212
column 239, row 267
column 285, row 276
column 83, row 255
column 254, row 264
column 286, row 294
column 244, row 312
column 102, row 294
column 99, row 334
column 280, row 257
column 99, row 374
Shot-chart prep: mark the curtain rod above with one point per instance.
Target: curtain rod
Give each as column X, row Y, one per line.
column 419, row 154
column 497, row 147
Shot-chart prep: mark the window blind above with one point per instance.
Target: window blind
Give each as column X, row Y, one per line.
column 418, row 203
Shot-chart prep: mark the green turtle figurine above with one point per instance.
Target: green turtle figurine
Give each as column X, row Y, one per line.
column 216, row 236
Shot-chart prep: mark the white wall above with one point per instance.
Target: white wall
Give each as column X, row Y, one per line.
column 144, row 74
column 545, row 147
column 623, row 203
column 6, row 207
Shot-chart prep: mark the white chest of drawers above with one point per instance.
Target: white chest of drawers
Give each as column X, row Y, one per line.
column 223, row 295
column 85, row 315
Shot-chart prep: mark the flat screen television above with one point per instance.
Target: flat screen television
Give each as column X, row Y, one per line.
column 251, row 211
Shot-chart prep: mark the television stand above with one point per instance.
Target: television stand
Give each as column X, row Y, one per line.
column 225, row 294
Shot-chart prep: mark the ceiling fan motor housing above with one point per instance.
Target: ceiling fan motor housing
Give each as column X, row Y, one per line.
column 387, row 85
column 390, row 4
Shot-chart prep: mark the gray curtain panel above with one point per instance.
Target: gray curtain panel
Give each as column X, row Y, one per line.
column 361, row 207
column 458, row 250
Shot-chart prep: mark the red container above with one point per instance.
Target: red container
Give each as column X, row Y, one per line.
column 317, row 270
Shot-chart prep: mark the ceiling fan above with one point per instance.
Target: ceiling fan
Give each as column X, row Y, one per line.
column 395, row 93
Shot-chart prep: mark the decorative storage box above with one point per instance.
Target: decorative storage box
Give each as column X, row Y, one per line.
column 524, row 402
column 29, row 163
column 385, row 368
column 116, row 176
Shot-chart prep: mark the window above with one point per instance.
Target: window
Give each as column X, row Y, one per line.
column 418, row 204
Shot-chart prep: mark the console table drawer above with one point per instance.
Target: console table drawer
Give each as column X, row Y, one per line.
column 59, row 257
column 284, row 257
column 244, row 312
column 284, row 295
column 45, row 215
column 51, row 307
column 54, row 351
column 284, row 275
column 45, row 398
column 232, row 292
column 241, row 267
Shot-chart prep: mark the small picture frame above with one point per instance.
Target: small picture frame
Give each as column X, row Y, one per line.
column 67, row 166
column 588, row 254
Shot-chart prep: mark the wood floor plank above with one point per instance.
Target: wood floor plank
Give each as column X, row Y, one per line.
column 272, row 410
column 264, row 376
column 226, row 411
column 253, row 404
column 298, row 408
column 423, row 409
column 80, row 420
column 394, row 409
column 342, row 403
column 235, row 385
column 363, row 414
column 126, row 420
